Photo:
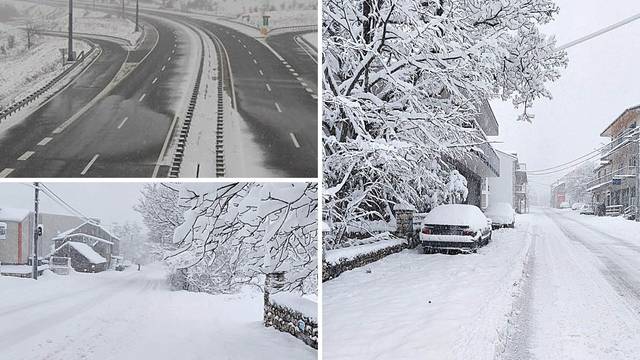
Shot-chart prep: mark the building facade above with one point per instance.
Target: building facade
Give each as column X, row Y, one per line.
column 15, row 235
column 521, row 189
column 615, row 180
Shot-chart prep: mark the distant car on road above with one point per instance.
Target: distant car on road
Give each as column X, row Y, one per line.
column 577, row 206
column 455, row 228
column 587, row 210
column 501, row 215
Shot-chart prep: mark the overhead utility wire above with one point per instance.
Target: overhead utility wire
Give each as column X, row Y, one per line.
column 56, row 198
column 600, row 32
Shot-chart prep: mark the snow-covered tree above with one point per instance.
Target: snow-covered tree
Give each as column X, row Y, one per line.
column 250, row 229
column 403, row 85
column 133, row 244
column 161, row 214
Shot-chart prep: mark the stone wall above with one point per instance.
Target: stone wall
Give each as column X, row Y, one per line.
column 331, row 271
column 290, row 321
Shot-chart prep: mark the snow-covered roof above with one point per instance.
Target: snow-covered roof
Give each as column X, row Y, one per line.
column 606, row 133
column 88, row 236
column 86, row 251
column 13, row 214
column 64, row 234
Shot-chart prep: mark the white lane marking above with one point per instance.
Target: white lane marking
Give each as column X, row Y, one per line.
column 284, row 62
column 278, row 107
column 303, row 84
column 45, row 141
column 86, row 168
column 142, row 97
column 309, row 90
column 314, row 96
column 154, row 81
column 261, row 73
column 288, row 66
column 250, row 52
column 268, row 87
column 244, row 46
column 123, row 121
column 295, row 74
column 299, row 79
column 254, row 61
column 295, row 141
column 26, row 155
column 163, row 67
column 173, row 51
column 5, row 172
column 169, row 58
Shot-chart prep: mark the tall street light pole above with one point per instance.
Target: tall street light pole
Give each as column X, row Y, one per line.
column 36, row 232
column 70, row 56
column 137, row 8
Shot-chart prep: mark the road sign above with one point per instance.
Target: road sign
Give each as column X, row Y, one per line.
column 616, row 181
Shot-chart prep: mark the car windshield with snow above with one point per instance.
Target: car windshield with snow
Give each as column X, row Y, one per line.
column 455, row 228
column 501, row 215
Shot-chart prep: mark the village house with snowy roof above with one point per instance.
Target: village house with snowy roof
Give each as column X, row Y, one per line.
column 90, row 247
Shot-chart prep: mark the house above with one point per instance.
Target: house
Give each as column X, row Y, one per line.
column 558, row 194
column 521, row 189
column 616, row 175
column 15, row 235
column 502, row 187
column 482, row 161
column 83, row 257
column 90, row 236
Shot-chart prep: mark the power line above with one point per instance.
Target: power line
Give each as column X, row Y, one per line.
column 52, row 195
column 600, row 32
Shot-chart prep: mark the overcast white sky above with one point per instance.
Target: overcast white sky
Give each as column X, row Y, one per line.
column 111, row 202
column 601, row 81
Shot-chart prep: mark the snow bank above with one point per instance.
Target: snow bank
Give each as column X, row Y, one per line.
column 311, row 38
column 410, row 305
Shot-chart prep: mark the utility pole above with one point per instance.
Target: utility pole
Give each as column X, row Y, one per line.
column 137, row 8
column 36, row 232
column 70, row 56
column 637, row 163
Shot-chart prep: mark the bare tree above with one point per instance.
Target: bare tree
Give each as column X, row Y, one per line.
column 32, row 29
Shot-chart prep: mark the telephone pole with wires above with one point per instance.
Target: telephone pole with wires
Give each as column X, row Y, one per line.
column 36, row 231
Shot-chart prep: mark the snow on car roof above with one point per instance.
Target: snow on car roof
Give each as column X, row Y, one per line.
column 456, row 214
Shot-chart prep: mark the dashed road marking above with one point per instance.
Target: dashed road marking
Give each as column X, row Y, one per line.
column 123, row 121
column 299, row 79
column 169, row 58
column 255, row 61
column 278, row 107
column 268, row 87
column 288, row 66
column 154, row 81
column 295, row 74
column 163, row 67
column 261, row 73
column 309, row 90
column 173, row 51
column 303, row 84
column 314, row 96
column 142, row 97
column 5, row 172
column 26, row 155
column 45, row 141
column 86, row 168
column 295, row 141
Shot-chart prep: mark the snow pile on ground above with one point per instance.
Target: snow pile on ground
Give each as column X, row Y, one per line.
column 20, row 269
column 21, row 75
column 409, row 305
column 299, row 303
column 382, row 241
column 132, row 315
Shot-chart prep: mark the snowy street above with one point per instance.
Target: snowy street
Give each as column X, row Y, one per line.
column 133, row 315
column 558, row 286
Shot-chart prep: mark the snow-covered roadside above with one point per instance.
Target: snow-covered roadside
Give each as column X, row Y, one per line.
column 312, row 38
column 411, row 305
column 132, row 315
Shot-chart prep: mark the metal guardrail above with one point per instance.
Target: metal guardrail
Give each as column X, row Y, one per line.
column 15, row 107
column 625, row 172
column 621, row 140
column 283, row 29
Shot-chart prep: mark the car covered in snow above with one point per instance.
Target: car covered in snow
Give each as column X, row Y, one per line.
column 587, row 210
column 564, row 205
column 577, row 206
column 501, row 215
column 455, row 228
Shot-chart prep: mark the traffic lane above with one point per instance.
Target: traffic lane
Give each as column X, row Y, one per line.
column 36, row 127
column 101, row 143
column 287, row 46
column 280, row 113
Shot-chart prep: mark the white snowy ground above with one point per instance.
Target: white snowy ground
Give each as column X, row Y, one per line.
column 132, row 315
column 312, row 38
column 559, row 286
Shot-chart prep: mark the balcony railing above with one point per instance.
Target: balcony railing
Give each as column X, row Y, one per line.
column 623, row 139
column 623, row 173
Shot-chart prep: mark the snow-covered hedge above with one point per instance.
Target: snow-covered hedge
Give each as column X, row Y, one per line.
column 293, row 314
column 337, row 261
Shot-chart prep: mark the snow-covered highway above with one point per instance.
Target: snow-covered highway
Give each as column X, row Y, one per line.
column 133, row 315
column 558, row 286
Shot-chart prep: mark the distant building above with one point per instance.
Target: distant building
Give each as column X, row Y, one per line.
column 91, row 247
column 558, row 194
column 15, row 234
column 511, row 185
column 614, row 185
column 521, row 189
